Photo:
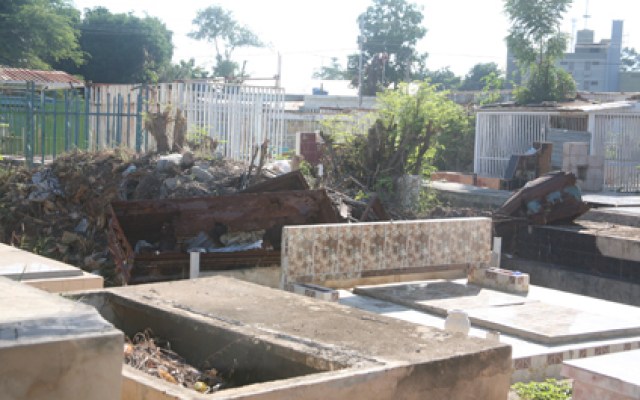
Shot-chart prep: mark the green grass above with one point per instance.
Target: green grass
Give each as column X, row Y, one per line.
column 550, row 389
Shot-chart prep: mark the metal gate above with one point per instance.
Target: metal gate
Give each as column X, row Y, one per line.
column 617, row 138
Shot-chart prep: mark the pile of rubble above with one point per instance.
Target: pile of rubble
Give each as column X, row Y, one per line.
column 153, row 355
column 60, row 210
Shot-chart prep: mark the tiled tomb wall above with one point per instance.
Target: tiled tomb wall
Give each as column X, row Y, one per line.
column 320, row 253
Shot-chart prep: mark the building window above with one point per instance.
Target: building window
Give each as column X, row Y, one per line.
column 594, row 83
column 596, row 63
column 587, row 66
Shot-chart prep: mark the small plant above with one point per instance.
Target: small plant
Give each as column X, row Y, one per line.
column 550, row 389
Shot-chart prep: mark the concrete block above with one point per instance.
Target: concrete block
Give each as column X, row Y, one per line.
column 596, row 161
column 54, row 348
column 314, row 291
column 490, row 183
column 581, row 160
column 499, row 279
column 567, row 148
column 283, row 346
column 610, row 376
column 580, row 148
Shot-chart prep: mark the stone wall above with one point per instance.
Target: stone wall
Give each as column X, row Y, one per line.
column 320, row 253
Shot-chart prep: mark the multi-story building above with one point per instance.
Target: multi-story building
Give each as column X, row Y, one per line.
column 595, row 67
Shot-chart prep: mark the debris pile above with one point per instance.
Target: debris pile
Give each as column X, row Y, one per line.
column 154, row 356
column 551, row 199
column 61, row 210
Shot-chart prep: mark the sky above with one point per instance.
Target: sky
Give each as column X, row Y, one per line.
column 307, row 34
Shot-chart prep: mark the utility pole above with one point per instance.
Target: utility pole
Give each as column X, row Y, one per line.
column 360, row 77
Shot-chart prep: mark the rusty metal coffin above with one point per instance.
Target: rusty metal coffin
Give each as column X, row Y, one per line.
column 133, row 221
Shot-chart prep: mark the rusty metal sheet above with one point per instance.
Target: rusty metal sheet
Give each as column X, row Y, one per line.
column 290, row 181
column 134, row 221
column 549, row 199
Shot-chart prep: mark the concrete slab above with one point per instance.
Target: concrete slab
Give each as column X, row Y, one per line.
column 516, row 315
column 18, row 265
column 553, row 324
column 440, row 296
column 343, row 352
column 610, row 377
column 629, row 216
column 612, row 199
column 470, row 196
column 45, row 273
column 531, row 360
column 53, row 348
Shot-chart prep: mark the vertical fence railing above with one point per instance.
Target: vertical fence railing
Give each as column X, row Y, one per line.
column 46, row 123
column 617, row 138
column 499, row 135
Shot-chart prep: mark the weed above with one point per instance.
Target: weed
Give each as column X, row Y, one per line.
column 550, row 389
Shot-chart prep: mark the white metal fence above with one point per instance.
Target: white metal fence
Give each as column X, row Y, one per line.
column 617, row 138
column 239, row 117
column 615, row 135
column 499, row 135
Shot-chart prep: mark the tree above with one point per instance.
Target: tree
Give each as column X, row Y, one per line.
column 630, row 60
column 181, row 71
column 444, row 79
column 335, row 71
column 122, row 48
column 218, row 26
column 37, row 33
column 536, row 42
column 389, row 33
column 476, row 78
column 410, row 125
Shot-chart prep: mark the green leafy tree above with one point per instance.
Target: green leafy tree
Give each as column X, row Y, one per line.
column 37, row 33
column 405, row 135
column 630, row 60
column 218, row 26
column 122, row 48
column 443, row 78
column 475, row 79
column 536, row 42
column 389, row 33
column 334, row 71
column 181, row 71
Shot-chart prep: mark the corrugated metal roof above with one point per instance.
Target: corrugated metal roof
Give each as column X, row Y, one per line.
column 20, row 75
column 574, row 106
column 614, row 105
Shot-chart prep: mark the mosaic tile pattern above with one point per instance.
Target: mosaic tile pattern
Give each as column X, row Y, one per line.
column 501, row 279
column 316, row 253
column 540, row 367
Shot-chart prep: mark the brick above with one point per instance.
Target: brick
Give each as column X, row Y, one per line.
column 491, row 183
column 456, row 177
